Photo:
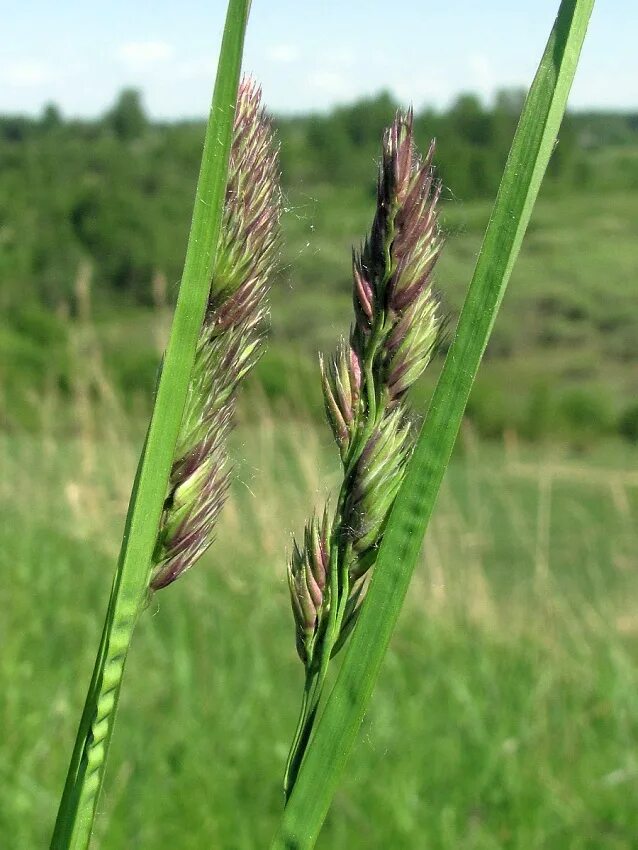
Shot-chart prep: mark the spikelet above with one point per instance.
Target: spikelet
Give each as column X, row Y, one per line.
column 341, row 384
column 307, row 578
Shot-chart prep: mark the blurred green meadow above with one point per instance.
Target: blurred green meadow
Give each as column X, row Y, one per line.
column 507, row 711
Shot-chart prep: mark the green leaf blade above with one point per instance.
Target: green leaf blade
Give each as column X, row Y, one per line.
column 86, row 770
column 338, row 727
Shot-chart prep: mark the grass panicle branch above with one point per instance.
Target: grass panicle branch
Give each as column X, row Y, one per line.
column 230, row 342
column 364, row 385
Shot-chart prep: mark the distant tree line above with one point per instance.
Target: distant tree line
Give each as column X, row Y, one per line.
column 119, row 189
column 472, row 142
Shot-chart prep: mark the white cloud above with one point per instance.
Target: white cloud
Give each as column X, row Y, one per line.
column 282, row 54
column 483, row 78
column 419, row 89
column 329, row 82
column 196, row 69
column 338, row 56
column 141, row 55
column 26, row 73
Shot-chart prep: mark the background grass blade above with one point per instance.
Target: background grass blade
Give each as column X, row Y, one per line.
column 86, row 771
column 528, row 159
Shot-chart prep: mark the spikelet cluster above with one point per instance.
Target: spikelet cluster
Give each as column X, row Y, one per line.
column 392, row 339
column 308, row 572
column 230, row 342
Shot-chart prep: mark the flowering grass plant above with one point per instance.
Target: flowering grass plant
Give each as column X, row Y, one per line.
column 349, row 574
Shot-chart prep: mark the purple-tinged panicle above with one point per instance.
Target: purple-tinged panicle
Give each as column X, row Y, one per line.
column 307, row 577
column 230, row 342
column 364, row 386
column 395, row 332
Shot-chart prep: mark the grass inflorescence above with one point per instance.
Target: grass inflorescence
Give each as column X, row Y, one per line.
column 364, row 387
column 230, row 342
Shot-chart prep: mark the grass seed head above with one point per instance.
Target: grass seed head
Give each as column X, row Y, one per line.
column 230, row 342
column 364, row 384
column 391, row 341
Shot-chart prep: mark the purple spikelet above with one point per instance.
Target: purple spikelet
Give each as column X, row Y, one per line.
column 230, row 342
column 307, row 577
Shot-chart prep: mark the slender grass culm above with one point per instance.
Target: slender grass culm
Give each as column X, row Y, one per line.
column 326, row 752
column 364, row 386
column 216, row 338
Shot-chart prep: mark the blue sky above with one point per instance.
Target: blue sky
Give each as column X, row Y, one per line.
column 307, row 55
